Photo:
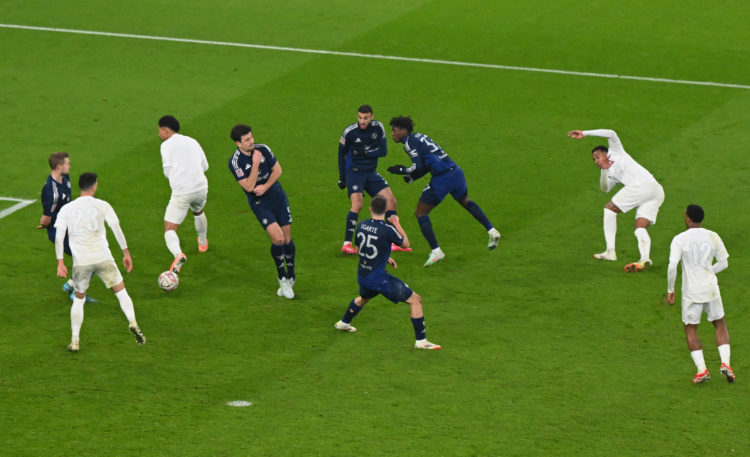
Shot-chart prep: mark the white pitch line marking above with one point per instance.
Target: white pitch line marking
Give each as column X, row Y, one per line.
column 21, row 204
column 377, row 56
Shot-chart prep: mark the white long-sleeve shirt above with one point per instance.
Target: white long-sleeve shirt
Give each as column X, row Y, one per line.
column 184, row 164
column 697, row 247
column 83, row 219
column 624, row 170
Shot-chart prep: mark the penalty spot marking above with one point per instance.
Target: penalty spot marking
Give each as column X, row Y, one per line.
column 239, row 403
column 376, row 56
column 21, row 203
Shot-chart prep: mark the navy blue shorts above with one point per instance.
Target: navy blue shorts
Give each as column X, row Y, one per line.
column 272, row 207
column 389, row 286
column 365, row 181
column 452, row 182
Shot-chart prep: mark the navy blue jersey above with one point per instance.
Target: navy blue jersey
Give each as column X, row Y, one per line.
column 373, row 239
column 240, row 165
column 426, row 156
column 370, row 141
column 54, row 196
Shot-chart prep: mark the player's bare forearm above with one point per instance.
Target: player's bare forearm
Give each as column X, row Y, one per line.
column 127, row 261
column 62, row 270
column 44, row 222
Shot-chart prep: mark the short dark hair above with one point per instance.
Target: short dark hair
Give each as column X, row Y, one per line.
column 365, row 109
column 86, row 181
column 240, row 130
column 170, row 122
column 695, row 213
column 604, row 149
column 57, row 158
column 378, row 205
column 403, row 122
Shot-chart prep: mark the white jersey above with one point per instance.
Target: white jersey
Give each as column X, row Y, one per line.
column 83, row 219
column 624, row 170
column 697, row 248
column 184, row 164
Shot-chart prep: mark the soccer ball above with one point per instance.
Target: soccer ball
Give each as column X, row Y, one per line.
column 168, row 280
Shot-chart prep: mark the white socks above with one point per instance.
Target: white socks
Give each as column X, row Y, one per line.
column 610, row 229
column 697, row 356
column 644, row 243
column 76, row 317
column 201, row 226
column 724, row 353
column 126, row 304
column 173, row 242
column 700, row 364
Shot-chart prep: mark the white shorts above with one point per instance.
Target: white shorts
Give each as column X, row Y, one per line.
column 178, row 206
column 107, row 272
column 691, row 311
column 647, row 197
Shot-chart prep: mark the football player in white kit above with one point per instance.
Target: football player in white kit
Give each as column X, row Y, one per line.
column 184, row 164
column 641, row 191
column 83, row 220
column 697, row 248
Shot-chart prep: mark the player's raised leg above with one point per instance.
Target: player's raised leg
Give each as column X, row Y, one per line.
column 173, row 244
column 474, row 209
column 126, row 305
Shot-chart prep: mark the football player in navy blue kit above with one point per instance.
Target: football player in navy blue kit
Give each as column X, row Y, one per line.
column 360, row 147
column 447, row 178
column 374, row 238
column 257, row 171
column 56, row 193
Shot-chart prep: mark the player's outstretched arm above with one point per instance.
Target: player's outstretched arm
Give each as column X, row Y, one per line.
column 575, row 134
column 392, row 262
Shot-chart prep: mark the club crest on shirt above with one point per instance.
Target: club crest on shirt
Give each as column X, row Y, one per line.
column 374, row 135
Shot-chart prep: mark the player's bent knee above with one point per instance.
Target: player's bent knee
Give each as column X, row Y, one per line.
column 414, row 299
column 612, row 207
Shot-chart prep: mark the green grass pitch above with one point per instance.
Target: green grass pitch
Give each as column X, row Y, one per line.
column 546, row 351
